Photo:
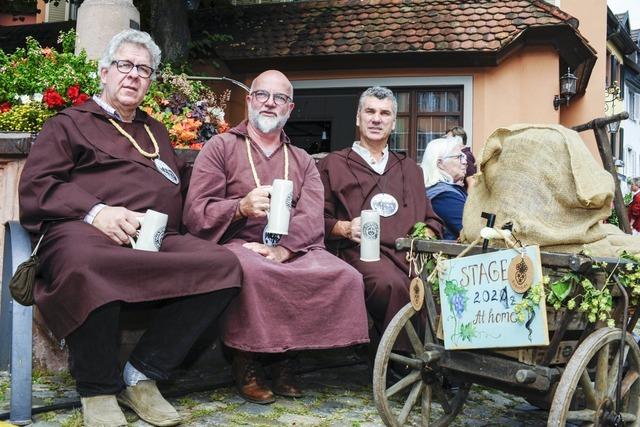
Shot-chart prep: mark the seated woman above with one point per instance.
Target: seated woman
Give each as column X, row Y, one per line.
column 444, row 165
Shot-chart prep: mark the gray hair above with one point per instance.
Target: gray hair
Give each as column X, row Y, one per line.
column 130, row 37
column 436, row 150
column 380, row 93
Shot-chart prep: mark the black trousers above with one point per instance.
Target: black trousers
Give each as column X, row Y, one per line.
column 93, row 347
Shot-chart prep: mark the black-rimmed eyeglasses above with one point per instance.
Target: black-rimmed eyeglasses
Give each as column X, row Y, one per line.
column 462, row 158
column 125, row 67
column 263, row 96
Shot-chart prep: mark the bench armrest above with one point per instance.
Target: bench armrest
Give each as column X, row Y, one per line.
column 16, row 325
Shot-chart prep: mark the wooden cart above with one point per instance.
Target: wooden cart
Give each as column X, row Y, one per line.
column 587, row 374
column 580, row 377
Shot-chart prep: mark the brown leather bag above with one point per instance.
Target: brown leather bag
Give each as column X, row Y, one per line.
column 23, row 280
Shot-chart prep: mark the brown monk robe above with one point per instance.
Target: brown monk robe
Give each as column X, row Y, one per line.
column 296, row 295
column 350, row 182
column 92, row 173
column 78, row 161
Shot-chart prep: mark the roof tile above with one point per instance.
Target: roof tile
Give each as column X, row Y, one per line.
column 378, row 26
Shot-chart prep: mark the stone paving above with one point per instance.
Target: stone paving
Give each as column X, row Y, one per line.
column 337, row 396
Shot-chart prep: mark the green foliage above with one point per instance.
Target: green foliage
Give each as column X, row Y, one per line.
column 30, row 71
column 420, row 231
column 574, row 291
column 629, row 276
column 613, row 218
column 75, row 420
column 35, row 82
column 530, row 301
column 25, row 118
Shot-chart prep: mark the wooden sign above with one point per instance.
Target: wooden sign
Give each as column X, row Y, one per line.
column 477, row 303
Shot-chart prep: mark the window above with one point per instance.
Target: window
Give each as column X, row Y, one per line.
column 621, row 143
column 423, row 115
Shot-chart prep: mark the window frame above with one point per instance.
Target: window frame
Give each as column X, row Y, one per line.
column 414, row 115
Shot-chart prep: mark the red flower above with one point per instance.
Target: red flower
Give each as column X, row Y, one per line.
column 52, row 98
column 73, row 92
column 5, row 106
column 81, row 99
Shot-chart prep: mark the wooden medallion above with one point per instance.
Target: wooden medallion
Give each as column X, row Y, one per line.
column 416, row 293
column 521, row 273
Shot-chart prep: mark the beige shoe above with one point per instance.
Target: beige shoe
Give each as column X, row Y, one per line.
column 145, row 400
column 102, row 411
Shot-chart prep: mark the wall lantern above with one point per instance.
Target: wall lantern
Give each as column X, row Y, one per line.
column 567, row 89
column 613, row 127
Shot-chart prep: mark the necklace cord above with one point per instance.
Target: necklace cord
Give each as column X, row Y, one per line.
column 135, row 143
column 253, row 166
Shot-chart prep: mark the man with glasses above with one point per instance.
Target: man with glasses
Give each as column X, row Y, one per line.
column 296, row 295
column 95, row 170
column 370, row 176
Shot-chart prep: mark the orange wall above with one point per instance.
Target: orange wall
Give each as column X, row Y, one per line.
column 593, row 27
column 520, row 90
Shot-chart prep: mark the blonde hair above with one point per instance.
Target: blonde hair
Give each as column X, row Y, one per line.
column 436, row 150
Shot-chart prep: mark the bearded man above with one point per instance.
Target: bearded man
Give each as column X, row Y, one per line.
column 296, row 295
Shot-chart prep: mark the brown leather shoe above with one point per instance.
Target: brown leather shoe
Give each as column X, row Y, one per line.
column 249, row 379
column 285, row 381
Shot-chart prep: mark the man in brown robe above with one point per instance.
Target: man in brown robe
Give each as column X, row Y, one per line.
column 295, row 294
column 88, row 179
column 370, row 176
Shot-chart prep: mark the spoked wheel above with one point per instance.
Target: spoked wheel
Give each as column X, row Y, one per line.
column 586, row 393
column 422, row 385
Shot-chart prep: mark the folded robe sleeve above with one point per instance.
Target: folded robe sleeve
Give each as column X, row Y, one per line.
column 46, row 193
column 207, row 212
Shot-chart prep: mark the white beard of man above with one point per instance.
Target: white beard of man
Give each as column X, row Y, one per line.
column 267, row 124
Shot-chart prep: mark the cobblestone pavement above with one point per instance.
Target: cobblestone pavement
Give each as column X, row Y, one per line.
column 338, row 396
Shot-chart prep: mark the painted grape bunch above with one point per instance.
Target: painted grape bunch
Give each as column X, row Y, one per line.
column 457, row 297
column 458, row 305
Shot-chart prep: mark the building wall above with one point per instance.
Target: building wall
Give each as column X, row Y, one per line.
column 631, row 129
column 519, row 90
column 593, row 27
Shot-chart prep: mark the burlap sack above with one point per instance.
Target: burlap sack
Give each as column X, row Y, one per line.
column 544, row 180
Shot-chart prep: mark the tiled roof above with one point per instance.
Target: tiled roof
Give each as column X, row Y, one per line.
column 635, row 35
column 341, row 27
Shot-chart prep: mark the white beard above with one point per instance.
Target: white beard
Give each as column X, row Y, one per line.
column 266, row 124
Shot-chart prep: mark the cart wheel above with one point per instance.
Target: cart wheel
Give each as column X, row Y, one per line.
column 424, row 382
column 586, row 393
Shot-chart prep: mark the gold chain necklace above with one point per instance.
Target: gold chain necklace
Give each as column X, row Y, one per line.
column 253, row 166
column 135, row 144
